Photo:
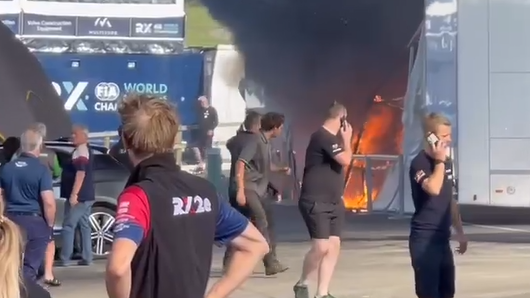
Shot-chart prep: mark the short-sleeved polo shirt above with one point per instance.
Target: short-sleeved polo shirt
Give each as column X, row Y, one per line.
column 22, row 181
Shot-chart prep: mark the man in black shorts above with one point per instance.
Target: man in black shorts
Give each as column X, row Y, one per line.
column 436, row 209
column 320, row 204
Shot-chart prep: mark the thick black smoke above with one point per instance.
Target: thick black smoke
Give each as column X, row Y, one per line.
column 309, row 53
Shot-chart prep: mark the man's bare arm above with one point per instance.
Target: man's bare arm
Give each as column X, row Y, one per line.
column 118, row 273
column 433, row 184
column 249, row 248
column 49, row 206
column 240, row 174
column 78, row 182
column 456, row 218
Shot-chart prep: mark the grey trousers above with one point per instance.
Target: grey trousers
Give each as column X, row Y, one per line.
column 259, row 211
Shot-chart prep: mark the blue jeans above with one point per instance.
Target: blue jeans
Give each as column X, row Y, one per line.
column 73, row 216
column 38, row 235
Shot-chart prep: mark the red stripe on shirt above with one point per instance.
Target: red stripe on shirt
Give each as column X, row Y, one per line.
column 133, row 205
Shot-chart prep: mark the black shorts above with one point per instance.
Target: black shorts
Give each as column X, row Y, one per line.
column 204, row 142
column 434, row 268
column 322, row 219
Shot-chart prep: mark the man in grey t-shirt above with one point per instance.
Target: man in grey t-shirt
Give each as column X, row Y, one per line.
column 253, row 168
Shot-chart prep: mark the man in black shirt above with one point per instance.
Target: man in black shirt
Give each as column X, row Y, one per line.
column 168, row 220
column 320, row 204
column 430, row 229
column 208, row 121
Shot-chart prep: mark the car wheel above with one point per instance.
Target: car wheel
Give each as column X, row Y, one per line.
column 101, row 223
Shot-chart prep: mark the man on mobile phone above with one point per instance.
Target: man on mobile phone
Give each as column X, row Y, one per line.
column 436, row 210
column 321, row 205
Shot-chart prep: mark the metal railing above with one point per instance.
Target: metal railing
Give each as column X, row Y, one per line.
column 373, row 171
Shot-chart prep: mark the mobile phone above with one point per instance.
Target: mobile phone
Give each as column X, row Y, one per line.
column 432, row 139
column 342, row 121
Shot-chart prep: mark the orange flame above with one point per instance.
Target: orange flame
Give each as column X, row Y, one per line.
column 382, row 135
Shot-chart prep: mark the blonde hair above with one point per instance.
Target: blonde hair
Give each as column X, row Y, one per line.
column 432, row 121
column 336, row 110
column 149, row 124
column 10, row 257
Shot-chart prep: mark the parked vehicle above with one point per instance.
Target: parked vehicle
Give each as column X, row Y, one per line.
column 110, row 177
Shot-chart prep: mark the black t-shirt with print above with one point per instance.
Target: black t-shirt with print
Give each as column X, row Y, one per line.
column 323, row 179
column 432, row 217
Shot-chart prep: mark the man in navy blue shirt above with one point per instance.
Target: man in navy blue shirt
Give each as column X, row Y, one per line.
column 436, row 210
column 168, row 220
column 77, row 184
column 26, row 186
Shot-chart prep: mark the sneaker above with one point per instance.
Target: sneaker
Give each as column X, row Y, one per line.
column 275, row 268
column 84, row 263
column 326, row 296
column 53, row 282
column 300, row 291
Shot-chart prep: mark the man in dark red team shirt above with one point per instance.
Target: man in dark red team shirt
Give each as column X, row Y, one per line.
column 168, row 220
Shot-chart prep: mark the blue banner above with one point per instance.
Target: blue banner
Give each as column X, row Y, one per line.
column 33, row 24
column 108, row 27
column 158, row 28
column 11, row 21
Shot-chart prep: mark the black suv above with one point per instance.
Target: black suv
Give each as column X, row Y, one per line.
column 110, row 177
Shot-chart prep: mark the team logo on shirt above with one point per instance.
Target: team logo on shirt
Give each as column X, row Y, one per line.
column 21, row 164
column 191, row 205
column 419, row 174
column 335, row 148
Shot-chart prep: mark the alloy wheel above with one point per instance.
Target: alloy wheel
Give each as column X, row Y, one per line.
column 101, row 224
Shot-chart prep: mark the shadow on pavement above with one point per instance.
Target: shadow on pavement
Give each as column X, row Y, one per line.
column 379, row 227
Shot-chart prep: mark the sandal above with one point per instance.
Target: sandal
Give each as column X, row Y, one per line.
column 52, row 282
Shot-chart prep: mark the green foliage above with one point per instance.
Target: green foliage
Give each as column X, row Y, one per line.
column 201, row 29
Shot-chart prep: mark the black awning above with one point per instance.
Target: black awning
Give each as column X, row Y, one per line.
column 26, row 93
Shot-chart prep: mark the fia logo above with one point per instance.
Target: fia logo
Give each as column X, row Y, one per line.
column 107, row 91
column 74, row 93
column 191, row 205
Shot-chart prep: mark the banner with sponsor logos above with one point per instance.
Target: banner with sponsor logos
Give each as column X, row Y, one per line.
column 92, row 90
column 11, row 21
column 48, row 26
column 97, row 8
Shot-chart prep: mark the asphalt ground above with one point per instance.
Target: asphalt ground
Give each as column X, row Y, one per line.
column 374, row 262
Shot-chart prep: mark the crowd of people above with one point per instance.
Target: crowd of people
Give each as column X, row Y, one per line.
column 27, row 173
column 168, row 220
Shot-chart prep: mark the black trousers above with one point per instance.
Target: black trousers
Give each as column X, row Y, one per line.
column 259, row 211
column 434, row 268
